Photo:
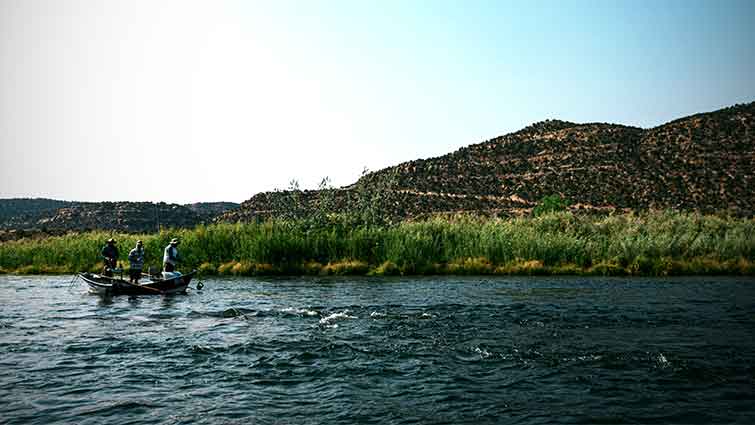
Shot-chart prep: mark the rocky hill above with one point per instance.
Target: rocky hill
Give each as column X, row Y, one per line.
column 31, row 217
column 704, row 162
column 29, row 207
column 210, row 210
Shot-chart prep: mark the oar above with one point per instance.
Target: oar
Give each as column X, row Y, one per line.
column 143, row 287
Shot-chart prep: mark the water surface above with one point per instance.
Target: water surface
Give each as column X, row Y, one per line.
column 396, row 351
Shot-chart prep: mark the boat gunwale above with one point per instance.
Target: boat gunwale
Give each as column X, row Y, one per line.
column 109, row 285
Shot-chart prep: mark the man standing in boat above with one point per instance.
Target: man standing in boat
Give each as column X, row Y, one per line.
column 170, row 257
column 110, row 256
column 136, row 262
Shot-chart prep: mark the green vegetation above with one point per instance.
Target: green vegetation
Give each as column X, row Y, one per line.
column 549, row 204
column 651, row 244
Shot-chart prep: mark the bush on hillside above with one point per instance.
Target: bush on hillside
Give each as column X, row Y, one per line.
column 552, row 203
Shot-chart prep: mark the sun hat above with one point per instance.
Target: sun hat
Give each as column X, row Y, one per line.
column 111, row 240
column 174, row 240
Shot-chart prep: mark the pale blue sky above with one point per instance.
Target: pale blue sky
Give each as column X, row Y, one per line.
column 187, row 101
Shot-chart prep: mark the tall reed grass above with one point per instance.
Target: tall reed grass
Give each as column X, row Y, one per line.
column 655, row 243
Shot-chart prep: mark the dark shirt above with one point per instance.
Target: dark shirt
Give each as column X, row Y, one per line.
column 110, row 251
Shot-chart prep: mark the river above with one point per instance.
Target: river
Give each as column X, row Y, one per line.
column 391, row 351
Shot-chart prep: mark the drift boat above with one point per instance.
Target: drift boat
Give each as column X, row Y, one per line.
column 167, row 284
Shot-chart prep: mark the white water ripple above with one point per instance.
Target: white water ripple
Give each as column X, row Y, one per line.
column 300, row 311
column 330, row 319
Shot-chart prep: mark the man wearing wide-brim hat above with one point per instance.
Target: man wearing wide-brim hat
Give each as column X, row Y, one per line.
column 110, row 257
column 170, row 257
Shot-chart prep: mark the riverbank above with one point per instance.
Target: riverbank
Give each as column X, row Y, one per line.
column 648, row 244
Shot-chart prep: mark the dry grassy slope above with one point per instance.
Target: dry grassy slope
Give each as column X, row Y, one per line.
column 702, row 162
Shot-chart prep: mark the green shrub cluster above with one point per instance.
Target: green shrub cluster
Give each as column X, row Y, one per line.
column 549, row 204
column 653, row 243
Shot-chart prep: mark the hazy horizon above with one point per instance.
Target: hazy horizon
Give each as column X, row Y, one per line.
column 200, row 101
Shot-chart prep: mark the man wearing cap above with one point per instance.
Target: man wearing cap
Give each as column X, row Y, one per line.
column 110, row 256
column 136, row 262
column 170, row 258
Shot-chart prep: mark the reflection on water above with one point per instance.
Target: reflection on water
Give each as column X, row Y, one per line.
column 523, row 293
column 397, row 350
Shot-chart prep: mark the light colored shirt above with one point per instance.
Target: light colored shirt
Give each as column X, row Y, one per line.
column 170, row 255
column 136, row 258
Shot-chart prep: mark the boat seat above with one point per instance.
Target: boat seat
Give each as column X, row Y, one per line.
column 170, row 275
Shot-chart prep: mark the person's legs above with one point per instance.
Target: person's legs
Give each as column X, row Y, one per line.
column 170, row 267
column 106, row 270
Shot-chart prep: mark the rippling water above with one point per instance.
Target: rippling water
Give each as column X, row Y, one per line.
column 343, row 351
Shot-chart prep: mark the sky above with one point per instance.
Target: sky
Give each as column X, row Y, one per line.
column 187, row 101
